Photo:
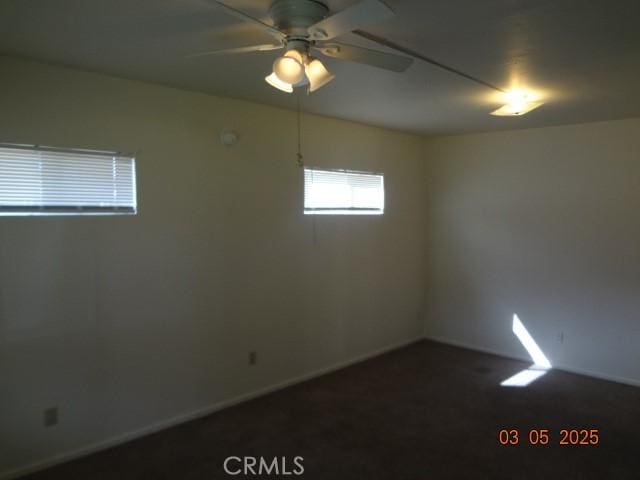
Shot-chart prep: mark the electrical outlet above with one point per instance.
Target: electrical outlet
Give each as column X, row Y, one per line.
column 253, row 358
column 50, row 417
column 561, row 337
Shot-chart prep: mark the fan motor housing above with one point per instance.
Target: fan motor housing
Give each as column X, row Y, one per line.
column 294, row 16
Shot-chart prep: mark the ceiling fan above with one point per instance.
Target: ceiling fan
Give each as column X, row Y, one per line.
column 304, row 27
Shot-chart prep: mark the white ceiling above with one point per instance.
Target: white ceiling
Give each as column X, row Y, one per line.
column 583, row 56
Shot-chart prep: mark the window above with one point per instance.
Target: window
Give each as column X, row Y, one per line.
column 52, row 181
column 343, row 192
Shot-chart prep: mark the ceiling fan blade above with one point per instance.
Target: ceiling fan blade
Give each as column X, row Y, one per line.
column 375, row 58
column 248, row 18
column 231, row 51
column 419, row 56
column 363, row 13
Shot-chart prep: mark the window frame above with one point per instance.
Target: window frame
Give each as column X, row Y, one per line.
column 345, row 210
column 73, row 210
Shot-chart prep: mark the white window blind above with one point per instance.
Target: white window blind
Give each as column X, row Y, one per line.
column 51, row 181
column 342, row 192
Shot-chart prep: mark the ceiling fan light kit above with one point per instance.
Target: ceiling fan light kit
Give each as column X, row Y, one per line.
column 300, row 26
column 298, row 68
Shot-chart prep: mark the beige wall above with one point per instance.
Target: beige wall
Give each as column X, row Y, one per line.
column 543, row 223
column 127, row 322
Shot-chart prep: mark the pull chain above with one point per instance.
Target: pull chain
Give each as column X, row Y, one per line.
column 299, row 160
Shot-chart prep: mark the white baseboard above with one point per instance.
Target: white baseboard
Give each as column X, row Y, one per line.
column 565, row 368
column 164, row 424
column 599, row 375
column 476, row 348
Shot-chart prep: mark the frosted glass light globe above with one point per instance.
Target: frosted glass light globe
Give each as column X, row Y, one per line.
column 288, row 69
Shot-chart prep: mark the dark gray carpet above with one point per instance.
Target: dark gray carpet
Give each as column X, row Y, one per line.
column 428, row 411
